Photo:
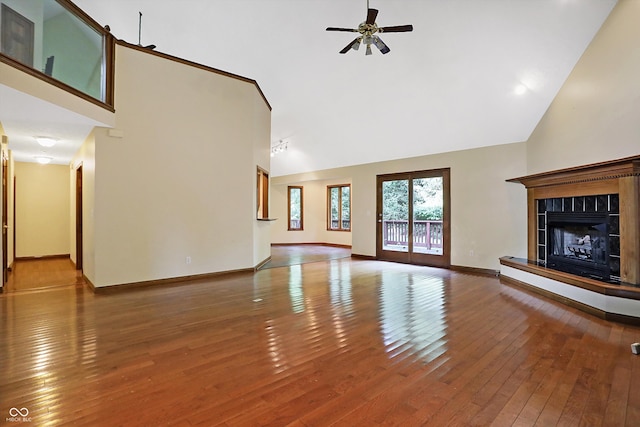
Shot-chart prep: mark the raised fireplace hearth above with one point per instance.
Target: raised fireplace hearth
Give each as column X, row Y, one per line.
column 584, row 222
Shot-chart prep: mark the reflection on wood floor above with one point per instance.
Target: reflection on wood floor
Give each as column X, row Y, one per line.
column 284, row 255
column 44, row 273
column 340, row 342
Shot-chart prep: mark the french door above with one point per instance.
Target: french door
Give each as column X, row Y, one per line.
column 413, row 213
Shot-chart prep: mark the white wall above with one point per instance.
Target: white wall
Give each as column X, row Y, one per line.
column 314, row 199
column 596, row 115
column 261, row 137
column 488, row 215
column 42, row 209
column 177, row 180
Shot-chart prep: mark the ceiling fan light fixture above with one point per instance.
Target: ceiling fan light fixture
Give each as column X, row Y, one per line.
column 368, row 29
column 46, row 141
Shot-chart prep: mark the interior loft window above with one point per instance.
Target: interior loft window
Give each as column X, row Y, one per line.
column 339, row 207
column 294, row 200
column 262, row 193
column 49, row 38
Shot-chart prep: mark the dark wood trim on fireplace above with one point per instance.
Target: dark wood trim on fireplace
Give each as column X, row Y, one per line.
column 612, row 169
column 620, row 177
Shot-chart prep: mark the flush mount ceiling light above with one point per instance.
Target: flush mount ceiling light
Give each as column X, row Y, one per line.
column 46, row 141
column 43, row 160
column 520, row 89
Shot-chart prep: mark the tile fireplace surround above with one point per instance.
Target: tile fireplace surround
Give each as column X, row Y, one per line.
column 612, row 301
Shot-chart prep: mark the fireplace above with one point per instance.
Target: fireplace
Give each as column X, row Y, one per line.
column 578, row 243
column 580, row 235
column 583, row 238
column 601, row 201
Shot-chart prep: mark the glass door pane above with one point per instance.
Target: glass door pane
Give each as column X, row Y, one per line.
column 428, row 205
column 414, row 217
column 395, row 215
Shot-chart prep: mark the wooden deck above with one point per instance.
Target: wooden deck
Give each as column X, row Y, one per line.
column 339, row 342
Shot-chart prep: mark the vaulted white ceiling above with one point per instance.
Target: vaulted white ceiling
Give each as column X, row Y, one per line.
column 448, row 85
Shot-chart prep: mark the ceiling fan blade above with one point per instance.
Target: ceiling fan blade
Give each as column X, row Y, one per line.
column 348, row 30
column 380, row 45
column 355, row 44
column 371, row 16
column 396, row 29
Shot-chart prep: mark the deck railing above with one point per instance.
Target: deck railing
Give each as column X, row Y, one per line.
column 346, row 224
column 426, row 234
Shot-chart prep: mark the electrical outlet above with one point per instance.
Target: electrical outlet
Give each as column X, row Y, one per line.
column 188, row 260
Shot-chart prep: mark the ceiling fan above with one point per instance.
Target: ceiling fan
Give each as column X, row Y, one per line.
column 368, row 30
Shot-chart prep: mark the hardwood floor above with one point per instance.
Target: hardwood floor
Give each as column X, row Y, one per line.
column 45, row 273
column 341, row 342
column 286, row 255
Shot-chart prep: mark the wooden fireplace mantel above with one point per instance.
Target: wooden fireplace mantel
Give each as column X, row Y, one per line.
column 620, row 177
column 613, row 169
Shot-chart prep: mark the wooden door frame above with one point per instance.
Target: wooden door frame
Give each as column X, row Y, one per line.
column 410, row 257
column 5, row 219
column 79, row 219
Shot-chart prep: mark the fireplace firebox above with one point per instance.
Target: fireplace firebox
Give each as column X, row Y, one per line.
column 578, row 243
column 581, row 235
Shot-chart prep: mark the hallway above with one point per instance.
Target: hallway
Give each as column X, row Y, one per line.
column 42, row 273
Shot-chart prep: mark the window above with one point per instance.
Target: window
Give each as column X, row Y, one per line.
column 294, row 200
column 339, row 207
column 262, row 194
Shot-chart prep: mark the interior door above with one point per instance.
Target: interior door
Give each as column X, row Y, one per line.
column 413, row 218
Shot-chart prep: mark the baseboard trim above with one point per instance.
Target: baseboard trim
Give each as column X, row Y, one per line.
column 475, row 270
column 333, row 245
column 260, row 265
column 364, row 257
column 43, row 257
column 89, row 283
column 161, row 282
